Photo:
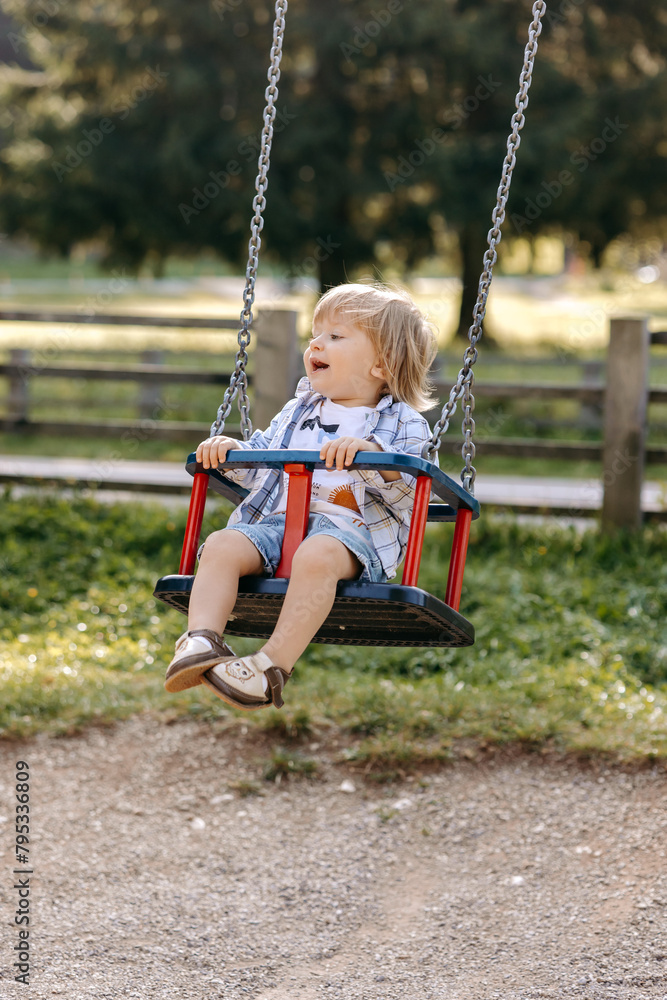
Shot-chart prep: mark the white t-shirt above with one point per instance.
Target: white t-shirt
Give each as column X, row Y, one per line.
column 331, row 491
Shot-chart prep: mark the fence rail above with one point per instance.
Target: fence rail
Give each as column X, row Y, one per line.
column 24, row 370
column 592, row 395
column 119, row 319
column 622, row 401
column 141, row 429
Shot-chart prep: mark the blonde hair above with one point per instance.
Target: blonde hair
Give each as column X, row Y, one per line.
column 400, row 334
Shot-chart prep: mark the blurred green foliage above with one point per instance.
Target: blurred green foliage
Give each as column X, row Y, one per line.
column 138, row 128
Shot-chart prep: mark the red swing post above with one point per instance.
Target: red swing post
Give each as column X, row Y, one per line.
column 194, row 523
column 416, row 543
column 413, row 553
column 457, row 559
column 296, row 518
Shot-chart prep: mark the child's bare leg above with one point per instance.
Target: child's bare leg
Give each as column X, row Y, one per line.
column 227, row 556
column 318, row 564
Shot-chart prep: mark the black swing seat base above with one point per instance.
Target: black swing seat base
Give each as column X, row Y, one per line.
column 368, row 614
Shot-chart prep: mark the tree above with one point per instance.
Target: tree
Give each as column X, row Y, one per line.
column 141, row 128
column 124, row 128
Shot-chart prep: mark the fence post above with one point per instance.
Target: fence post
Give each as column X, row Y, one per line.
column 626, row 400
column 277, row 363
column 149, row 392
column 19, row 385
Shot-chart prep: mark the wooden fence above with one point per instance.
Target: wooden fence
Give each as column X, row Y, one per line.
column 277, row 364
column 276, row 359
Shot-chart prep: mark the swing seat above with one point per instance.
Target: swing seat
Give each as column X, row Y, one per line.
column 364, row 614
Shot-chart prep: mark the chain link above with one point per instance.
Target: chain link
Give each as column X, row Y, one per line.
column 238, row 383
column 463, row 386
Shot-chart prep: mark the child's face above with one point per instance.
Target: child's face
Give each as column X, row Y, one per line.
column 341, row 363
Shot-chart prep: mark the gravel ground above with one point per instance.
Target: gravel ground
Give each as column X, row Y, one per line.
column 154, row 878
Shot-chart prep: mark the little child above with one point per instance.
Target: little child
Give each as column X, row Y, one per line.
column 366, row 365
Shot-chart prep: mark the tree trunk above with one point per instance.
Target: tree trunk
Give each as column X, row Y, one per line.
column 158, row 266
column 473, row 245
column 332, row 271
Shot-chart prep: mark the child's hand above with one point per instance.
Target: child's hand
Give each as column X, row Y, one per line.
column 213, row 451
column 341, row 452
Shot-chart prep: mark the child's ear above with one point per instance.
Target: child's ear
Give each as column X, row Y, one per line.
column 378, row 372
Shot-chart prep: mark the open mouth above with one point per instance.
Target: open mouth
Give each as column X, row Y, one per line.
column 318, row 366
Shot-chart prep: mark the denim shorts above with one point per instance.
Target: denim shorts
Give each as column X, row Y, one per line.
column 267, row 537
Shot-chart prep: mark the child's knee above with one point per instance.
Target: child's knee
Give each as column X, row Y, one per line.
column 322, row 556
column 214, row 542
column 313, row 550
column 228, row 545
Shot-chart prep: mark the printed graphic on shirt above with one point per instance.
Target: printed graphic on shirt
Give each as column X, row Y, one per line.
column 327, row 432
column 341, row 495
column 312, row 422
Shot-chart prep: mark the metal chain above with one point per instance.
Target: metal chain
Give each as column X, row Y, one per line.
column 465, row 380
column 238, row 383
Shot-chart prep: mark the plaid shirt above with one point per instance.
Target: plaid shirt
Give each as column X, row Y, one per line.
column 386, row 506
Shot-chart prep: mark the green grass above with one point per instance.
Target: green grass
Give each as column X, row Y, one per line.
column 571, row 649
column 286, row 763
column 97, row 450
column 30, row 266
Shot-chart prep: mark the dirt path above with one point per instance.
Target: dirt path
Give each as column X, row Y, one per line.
column 154, row 878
